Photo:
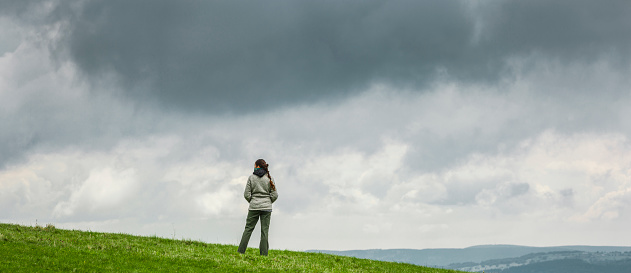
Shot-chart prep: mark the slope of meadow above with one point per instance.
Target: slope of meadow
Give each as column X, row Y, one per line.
column 27, row 249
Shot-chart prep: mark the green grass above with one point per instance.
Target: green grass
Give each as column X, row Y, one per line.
column 38, row 249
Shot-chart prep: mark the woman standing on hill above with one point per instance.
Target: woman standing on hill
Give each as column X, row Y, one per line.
column 260, row 192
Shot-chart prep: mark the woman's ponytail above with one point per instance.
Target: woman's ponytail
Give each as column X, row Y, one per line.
column 261, row 163
column 271, row 183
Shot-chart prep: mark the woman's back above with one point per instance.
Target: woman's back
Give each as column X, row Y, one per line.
column 259, row 193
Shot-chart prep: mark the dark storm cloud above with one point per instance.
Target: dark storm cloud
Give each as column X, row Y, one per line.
column 216, row 55
column 18, row 8
column 220, row 54
column 569, row 30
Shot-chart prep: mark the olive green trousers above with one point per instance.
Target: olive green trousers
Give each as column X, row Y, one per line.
column 250, row 223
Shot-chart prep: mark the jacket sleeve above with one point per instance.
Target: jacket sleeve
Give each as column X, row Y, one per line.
column 248, row 191
column 274, row 194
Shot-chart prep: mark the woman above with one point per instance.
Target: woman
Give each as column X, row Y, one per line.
column 260, row 192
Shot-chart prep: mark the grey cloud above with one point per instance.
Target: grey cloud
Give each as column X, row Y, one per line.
column 220, row 56
column 569, row 30
column 18, row 8
column 464, row 194
column 567, row 192
column 518, row 189
column 567, row 196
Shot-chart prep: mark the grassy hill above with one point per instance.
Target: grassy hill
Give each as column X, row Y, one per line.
column 28, row 249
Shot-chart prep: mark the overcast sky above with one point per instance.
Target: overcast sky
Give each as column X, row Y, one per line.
column 386, row 124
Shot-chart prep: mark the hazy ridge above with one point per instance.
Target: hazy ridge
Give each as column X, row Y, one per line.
column 507, row 258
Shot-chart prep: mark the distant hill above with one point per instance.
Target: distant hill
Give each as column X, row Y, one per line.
column 558, row 262
column 571, row 266
column 497, row 257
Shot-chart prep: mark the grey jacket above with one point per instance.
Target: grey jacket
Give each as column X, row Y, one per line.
column 259, row 194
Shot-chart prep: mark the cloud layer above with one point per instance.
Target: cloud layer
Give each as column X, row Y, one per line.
column 246, row 57
column 416, row 124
